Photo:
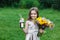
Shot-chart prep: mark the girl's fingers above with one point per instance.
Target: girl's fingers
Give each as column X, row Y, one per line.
column 41, row 31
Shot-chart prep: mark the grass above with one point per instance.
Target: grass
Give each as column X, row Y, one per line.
column 9, row 24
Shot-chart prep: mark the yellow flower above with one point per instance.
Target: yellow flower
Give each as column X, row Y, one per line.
column 41, row 20
column 50, row 24
column 44, row 21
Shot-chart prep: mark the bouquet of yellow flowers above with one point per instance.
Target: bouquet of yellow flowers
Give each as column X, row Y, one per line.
column 43, row 23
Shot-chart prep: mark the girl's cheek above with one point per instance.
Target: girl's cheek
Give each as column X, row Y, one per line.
column 35, row 16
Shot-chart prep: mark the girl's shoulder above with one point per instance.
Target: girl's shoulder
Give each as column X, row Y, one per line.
column 29, row 22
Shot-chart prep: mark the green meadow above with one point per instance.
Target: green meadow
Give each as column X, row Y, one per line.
column 9, row 24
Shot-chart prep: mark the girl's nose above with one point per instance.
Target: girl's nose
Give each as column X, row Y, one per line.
column 33, row 15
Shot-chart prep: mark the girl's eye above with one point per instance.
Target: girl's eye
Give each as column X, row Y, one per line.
column 33, row 13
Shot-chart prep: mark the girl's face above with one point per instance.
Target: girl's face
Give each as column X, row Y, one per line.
column 33, row 14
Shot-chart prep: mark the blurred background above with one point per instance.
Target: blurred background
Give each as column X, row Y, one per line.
column 10, row 11
column 55, row 4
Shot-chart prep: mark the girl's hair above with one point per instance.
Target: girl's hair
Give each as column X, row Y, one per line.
column 33, row 8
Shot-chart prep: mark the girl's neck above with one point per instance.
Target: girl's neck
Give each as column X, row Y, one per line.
column 34, row 21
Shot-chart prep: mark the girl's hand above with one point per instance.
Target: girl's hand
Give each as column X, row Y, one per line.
column 25, row 30
column 26, row 27
column 41, row 31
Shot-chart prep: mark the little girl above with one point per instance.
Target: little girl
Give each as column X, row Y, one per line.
column 31, row 27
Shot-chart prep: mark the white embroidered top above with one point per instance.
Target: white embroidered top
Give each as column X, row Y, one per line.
column 32, row 27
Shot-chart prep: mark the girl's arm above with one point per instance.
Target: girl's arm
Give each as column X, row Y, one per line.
column 26, row 27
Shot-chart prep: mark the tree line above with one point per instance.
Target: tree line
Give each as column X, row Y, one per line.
column 30, row 3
